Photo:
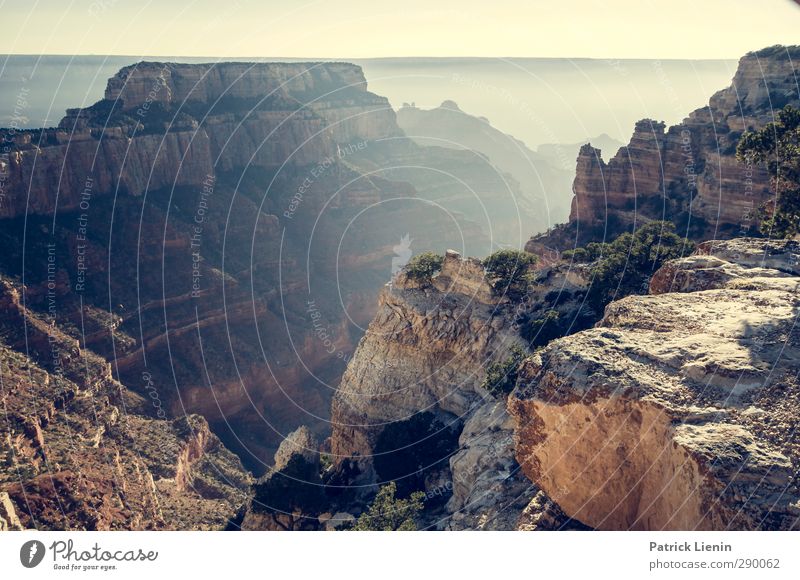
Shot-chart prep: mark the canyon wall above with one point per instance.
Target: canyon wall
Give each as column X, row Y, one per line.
column 686, row 173
column 171, row 125
column 81, row 451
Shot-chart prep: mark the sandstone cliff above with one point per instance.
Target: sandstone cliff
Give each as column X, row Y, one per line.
column 686, row 173
column 678, row 410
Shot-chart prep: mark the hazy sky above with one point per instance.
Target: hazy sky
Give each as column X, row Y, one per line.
column 375, row 28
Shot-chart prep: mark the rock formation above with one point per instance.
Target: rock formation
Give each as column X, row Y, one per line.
column 8, row 514
column 425, row 350
column 171, row 125
column 291, row 496
column 686, row 173
column 678, row 410
column 425, row 355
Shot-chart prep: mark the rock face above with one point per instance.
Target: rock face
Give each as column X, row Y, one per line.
column 8, row 514
column 81, row 451
column 175, row 84
column 678, row 410
column 424, row 350
column 687, row 173
column 489, row 490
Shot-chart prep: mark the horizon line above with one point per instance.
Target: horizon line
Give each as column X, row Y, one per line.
column 347, row 59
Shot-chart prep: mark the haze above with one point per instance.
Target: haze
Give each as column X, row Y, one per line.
column 350, row 29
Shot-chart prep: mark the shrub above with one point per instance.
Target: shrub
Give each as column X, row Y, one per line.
column 422, row 267
column 501, row 377
column 777, row 147
column 325, row 463
column 540, row 331
column 509, row 272
column 387, row 513
column 591, row 252
column 627, row 263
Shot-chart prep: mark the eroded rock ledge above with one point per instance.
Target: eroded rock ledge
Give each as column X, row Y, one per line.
column 678, row 411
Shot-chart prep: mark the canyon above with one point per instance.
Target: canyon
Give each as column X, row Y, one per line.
column 207, row 322
column 674, row 411
column 264, row 230
column 217, row 235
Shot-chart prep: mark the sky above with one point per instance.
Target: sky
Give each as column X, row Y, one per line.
column 341, row 29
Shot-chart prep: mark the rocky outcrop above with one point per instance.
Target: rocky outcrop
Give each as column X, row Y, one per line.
column 489, row 492
column 291, row 496
column 8, row 514
column 678, row 410
column 564, row 154
column 424, row 354
column 686, row 173
column 444, row 339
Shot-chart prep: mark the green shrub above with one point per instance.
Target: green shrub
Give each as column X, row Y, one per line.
column 501, row 377
column 325, row 463
column 591, row 252
column 387, row 513
column 777, row 147
column 422, row 267
column 509, row 272
column 539, row 331
column 627, row 263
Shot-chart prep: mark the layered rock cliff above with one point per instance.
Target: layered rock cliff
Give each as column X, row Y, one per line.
column 170, row 125
column 686, row 173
